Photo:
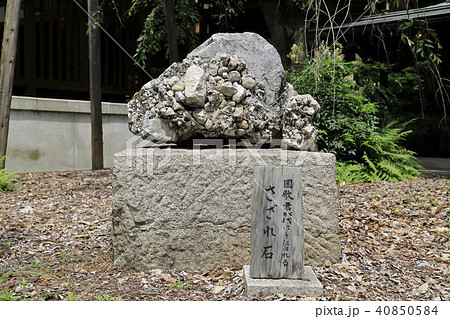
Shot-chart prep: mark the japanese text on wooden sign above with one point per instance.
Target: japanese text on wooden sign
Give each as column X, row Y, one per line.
column 277, row 224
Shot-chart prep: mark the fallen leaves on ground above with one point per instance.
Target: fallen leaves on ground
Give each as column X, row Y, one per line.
column 395, row 240
column 55, row 244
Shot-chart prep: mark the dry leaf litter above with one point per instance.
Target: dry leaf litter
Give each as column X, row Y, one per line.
column 55, row 244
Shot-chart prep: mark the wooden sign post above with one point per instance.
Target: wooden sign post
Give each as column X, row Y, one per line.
column 277, row 223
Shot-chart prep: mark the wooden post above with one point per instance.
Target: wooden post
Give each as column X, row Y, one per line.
column 95, row 87
column 171, row 31
column 277, row 223
column 29, row 30
column 7, row 64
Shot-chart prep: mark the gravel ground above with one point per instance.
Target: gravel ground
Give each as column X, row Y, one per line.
column 55, row 245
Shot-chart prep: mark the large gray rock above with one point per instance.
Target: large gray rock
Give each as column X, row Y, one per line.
column 190, row 209
column 260, row 56
column 228, row 74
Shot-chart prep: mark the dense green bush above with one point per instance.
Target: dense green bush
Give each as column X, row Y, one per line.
column 354, row 124
column 6, row 180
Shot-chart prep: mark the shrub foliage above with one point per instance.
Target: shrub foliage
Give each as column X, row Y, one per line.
column 6, row 180
column 354, row 124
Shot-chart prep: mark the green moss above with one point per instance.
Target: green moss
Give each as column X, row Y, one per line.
column 34, row 155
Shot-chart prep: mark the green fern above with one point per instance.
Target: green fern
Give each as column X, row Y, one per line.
column 383, row 159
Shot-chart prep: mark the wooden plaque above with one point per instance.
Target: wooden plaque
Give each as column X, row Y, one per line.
column 277, row 223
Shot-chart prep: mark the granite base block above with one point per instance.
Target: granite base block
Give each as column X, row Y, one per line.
column 181, row 209
column 308, row 286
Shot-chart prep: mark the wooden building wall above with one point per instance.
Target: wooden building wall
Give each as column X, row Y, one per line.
column 52, row 56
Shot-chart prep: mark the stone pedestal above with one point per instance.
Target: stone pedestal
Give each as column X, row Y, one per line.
column 186, row 209
column 308, row 285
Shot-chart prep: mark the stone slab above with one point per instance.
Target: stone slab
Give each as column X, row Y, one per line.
column 64, row 106
column 434, row 165
column 309, row 285
column 190, row 209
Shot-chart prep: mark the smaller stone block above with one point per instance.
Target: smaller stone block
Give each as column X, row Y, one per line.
column 308, row 286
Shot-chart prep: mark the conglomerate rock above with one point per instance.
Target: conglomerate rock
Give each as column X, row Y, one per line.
column 231, row 86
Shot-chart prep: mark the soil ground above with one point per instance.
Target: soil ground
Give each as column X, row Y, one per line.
column 55, row 244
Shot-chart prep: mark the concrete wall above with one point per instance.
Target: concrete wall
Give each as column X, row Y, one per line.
column 52, row 135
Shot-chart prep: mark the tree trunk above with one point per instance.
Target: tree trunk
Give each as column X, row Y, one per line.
column 171, row 31
column 284, row 19
column 8, row 59
column 95, row 87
